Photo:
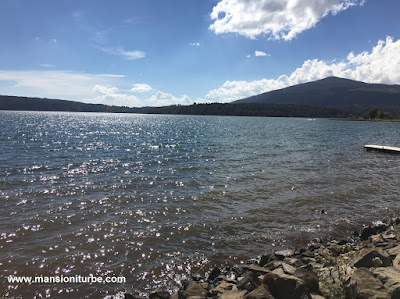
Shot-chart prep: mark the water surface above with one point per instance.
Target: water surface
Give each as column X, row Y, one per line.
column 156, row 198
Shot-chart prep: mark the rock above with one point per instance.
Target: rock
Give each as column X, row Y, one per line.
column 174, row 296
column 160, row 294
column 369, row 259
column 285, row 286
column 193, row 291
column 255, row 268
column 372, row 230
column 281, row 254
column 214, row 274
column 264, row 259
column 129, row 296
column 234, row 294
column 249, row 282
column 221, row 288
column 310, row 279
column 391, row 279
column 288, row 269
column 396, row 262
column 367, row 286
column 259, row 293
column 394, row 251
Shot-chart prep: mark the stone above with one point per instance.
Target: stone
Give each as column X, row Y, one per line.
column 372, row 230
column 367, row 286
column 193, row 291
column 396, row 262
column 394, row 251
column 288, row 269
column 222, row 287
column 174, row 296
column 264, row 259
column 310, row 279
column 391, row 279
column 214, row 274
column 160, row 294
column 369, row 259
column 285, row 286
column 233, row 294
column 129, row 296
column 255, row 268
column 259, row 293
column 281, row 254
column 249, row 282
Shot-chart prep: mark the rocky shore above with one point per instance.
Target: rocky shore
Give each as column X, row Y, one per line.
column 365, row 265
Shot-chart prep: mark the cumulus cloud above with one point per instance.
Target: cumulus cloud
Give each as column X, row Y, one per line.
column 381, row 65
column 140, row 88
column 104, row 89
column 279, row 19
column 260, row 53
column 194, row 44
column 163, row 99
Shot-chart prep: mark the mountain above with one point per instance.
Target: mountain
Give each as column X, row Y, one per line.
column 334, row 92
column 39, row 104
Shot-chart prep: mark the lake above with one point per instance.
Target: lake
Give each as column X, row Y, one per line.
column 158, row 198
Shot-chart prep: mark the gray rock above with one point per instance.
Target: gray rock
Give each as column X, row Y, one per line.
column 264, row 259
column 255, row 268
column 249, row 282
column 391, row 279
column 281, row 254
column 285, row 286
column 370, row 259
column 193, row 291
column 367, row 286
column 372, row 230
column 259, row 293
column 288, row 269
column 310, row 279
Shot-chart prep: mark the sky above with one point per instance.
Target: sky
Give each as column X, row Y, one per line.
column 155, row 52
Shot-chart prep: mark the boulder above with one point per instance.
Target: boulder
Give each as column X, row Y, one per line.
column 214, row 274
column 281, row 254
column 285, row 286
column 259, row 293
column 367, row 286
column 374, row 258
column 394, row 251
column 396, row 262
column 193, row 291
column 391, row 279
column 310, row 279
column 372, row 230
column 288, row 269
column 233, row 294
column 249, row 282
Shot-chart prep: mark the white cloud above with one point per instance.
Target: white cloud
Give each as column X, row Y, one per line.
column 164, row 99
column 381, row 65
column 260, row 53
column 130, row 55
column 53, row 83
column 194, row 44
column 105, row 89
column 115, row 99
column 140, row 88
column 279, row 19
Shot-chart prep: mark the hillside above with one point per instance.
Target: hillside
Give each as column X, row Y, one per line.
column 334, row 92
column 39, row 104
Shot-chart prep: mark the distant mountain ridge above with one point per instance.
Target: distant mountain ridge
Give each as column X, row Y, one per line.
column 331, row 91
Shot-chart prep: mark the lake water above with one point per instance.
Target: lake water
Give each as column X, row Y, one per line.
column 157, row 198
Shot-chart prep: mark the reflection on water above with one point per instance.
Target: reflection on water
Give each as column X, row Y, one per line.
column 157, row 198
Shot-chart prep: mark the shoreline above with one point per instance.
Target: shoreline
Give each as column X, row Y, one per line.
column 365, row 265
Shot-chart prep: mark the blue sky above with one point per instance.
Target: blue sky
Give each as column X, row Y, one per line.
column 157, row 52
